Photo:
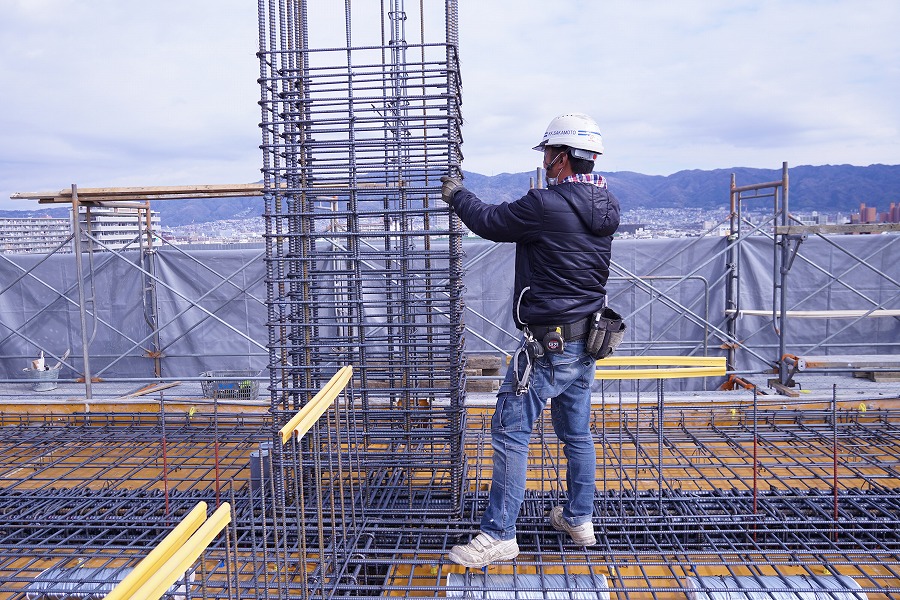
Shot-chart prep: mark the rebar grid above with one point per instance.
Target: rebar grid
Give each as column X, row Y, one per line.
column 86, row 496
column 137, row 453
column 686, row 491
column 675, row 502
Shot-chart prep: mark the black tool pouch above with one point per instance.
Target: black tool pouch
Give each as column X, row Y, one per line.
column 606, row 333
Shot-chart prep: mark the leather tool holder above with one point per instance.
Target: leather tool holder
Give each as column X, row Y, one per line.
column 605, row 334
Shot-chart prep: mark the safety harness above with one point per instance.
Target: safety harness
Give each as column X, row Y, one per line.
column 604, row 331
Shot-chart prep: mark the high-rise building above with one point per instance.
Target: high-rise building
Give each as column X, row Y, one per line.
column 870, row 214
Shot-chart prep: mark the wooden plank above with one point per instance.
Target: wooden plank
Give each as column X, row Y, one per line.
column 884, row 376
column 842, row 228
column 783, row 389
column 145, row 192
column 852, row 361
column 484, row 361
column 149, row 389
column 173, row 192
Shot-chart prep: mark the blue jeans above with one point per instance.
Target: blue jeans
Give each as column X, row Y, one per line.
column 566, row 380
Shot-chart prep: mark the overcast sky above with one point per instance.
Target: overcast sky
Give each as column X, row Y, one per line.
column 128, row 92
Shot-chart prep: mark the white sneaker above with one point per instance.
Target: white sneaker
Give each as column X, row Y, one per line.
column 483, row 550
column 583, row 534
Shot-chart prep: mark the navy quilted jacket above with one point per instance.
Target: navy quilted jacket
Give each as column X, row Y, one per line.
column 563, row 238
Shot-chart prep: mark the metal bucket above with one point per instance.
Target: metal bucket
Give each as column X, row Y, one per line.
column 45, row 380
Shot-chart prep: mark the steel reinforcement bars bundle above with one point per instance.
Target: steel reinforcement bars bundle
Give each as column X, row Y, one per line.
column 359, row 122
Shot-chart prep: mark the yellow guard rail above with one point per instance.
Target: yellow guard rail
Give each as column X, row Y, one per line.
column 172, row 557
column 309, row 414
column 672, row 367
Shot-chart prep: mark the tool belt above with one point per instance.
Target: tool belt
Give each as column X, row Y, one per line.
column 541, row 339
column 607, row 329
column 570, row 332
column 603, row 331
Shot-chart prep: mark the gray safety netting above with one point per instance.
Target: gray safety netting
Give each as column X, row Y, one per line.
column 191, row 311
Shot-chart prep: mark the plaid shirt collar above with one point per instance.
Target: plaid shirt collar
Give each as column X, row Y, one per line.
column 591, row 178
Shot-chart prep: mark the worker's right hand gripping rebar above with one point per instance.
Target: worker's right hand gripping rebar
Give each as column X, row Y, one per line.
column 449, row 187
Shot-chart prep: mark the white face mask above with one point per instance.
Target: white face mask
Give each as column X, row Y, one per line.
column 552, row 180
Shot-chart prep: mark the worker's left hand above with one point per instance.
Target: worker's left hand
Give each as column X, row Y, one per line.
column 449, row 187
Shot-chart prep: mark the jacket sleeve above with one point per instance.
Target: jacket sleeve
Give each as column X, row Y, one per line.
column 519, row 221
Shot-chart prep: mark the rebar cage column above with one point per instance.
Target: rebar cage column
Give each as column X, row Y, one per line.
column 363, row 260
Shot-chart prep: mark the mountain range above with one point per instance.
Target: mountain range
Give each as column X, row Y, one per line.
column 826, row 189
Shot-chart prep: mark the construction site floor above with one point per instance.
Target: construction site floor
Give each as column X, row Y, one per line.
column 695, row 490
column 70, row 397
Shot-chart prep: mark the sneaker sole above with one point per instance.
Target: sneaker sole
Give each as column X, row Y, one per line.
column 585, row 541
column 480, row 565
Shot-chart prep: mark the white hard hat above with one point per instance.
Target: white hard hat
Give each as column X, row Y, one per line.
column 577, row 131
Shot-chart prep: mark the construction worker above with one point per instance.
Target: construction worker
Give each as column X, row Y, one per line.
column 563, row 237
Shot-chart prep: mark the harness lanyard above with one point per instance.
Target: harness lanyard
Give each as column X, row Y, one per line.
column 523, row 379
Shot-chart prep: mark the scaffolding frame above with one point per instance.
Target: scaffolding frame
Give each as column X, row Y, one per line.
column 787, row 234
column 92, row 256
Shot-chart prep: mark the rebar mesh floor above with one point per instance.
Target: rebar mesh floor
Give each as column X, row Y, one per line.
column 94, row 493
column 675, row 506
column 679, row 510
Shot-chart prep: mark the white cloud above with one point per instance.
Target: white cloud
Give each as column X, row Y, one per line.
column 125, row 92
column 701, row 85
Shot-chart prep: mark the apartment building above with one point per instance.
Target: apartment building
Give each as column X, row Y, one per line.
column 114, row 228
column 34, row 235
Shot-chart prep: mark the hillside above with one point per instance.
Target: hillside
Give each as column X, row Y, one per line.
column 827, row 189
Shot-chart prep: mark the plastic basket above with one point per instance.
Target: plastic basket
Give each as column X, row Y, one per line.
column 224, row 384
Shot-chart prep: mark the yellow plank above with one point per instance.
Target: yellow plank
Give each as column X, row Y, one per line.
column 668, row 361
column 673, row 367
column 309, row 414
column 175, row 567
column 159, row 555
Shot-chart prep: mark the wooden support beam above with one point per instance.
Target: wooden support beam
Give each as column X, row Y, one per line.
column 783, row 389
column 237, row 190
column 843, row 228
column 852, row 361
